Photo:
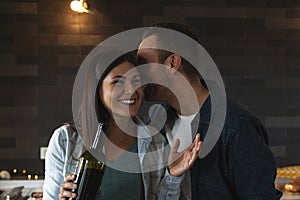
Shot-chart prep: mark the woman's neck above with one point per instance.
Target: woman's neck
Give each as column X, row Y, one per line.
column 118, row 142
column 120, row 137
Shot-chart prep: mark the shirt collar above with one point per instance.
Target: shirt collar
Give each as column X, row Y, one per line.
column 204, row 114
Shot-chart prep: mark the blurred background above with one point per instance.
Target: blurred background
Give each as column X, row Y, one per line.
column 255, row 44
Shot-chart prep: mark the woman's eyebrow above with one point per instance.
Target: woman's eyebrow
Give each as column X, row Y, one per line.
column 118, row 77
column 124, row 77
column 136, row 76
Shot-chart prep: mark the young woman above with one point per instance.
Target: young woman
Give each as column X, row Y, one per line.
column 118, row 98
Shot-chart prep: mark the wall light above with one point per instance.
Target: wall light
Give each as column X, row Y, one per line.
column 80, row 6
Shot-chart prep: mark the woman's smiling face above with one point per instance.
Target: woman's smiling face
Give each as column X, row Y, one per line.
column 121, row 93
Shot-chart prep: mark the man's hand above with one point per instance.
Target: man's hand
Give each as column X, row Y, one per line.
column 183, row 161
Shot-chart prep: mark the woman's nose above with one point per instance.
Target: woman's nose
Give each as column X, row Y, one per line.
column 129, row 88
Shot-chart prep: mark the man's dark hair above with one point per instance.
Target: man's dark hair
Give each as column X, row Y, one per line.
column 188, row 68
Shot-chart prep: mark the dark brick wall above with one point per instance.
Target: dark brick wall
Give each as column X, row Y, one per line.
column 254, row 43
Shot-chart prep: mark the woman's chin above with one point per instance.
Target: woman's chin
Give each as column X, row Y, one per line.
column 126, row 114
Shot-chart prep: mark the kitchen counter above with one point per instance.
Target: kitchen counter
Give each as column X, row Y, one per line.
column 7, row 184
column 36, row 185
column 286, row 195
column 30, row 186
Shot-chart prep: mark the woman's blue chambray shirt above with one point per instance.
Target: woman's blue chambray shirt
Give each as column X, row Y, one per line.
column 65, row 145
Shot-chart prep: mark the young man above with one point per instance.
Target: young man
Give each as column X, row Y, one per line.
column 240, row 164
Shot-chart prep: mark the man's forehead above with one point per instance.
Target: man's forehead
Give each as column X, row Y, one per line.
column 149, row 42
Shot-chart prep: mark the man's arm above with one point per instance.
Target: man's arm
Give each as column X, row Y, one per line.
column 251, row 163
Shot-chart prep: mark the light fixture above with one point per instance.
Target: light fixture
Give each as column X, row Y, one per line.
column 80, row 6
column 43, row 151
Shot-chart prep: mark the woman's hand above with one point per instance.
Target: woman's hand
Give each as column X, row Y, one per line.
column 67, row 187
column 183, row 161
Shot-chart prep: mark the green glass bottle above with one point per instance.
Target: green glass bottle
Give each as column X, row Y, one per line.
column 89, row 177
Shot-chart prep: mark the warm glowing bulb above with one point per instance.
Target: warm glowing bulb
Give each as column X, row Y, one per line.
column 76, row 6
column 36, row 177
column 29, row 177
column 79, row 6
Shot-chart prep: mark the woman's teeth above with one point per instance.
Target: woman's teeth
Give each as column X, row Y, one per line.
column 127, row 101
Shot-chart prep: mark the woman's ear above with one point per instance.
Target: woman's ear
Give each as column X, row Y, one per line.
column 174, row 61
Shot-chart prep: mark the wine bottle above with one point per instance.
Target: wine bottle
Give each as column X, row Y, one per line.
column 88, row 177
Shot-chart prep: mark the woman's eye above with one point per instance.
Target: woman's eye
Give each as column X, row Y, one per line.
column 118, row 82
column 136, row 81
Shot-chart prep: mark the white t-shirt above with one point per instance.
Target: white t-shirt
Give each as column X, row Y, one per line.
column 182, row 130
